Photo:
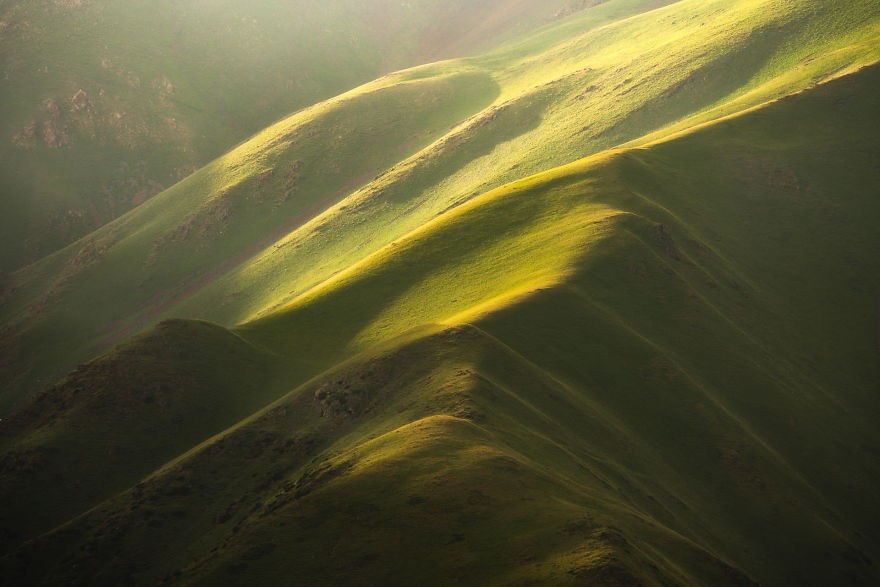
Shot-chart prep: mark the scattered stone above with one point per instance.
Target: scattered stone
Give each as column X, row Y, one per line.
column 80, row 100
column 338, row 402
column 26, row 138
column 164, row 85
column 51, row 107
column 53, row 136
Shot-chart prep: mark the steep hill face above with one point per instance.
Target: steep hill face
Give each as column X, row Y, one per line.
column 322, row 190
column 108, row 102
column 658, row 365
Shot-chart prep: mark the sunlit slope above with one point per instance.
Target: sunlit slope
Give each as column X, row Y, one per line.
column 657, row 365
column 107, row 102
column 136, row 269
column 613, row 77
column 751, row 324
column 525, row 252
column 321, row 191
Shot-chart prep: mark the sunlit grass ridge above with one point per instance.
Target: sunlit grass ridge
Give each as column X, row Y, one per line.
column 598, row 307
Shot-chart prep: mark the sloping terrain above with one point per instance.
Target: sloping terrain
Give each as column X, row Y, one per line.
column 599, row 307
column 320, row 191
column 107, row 102
column 657, row 365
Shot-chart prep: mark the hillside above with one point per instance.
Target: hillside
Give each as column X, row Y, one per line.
column 108, row 102
column 628, row 394
column 597, row 307
column 334, row 183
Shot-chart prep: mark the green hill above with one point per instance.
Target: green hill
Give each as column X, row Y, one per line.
column 325, row 188
column 107, row 102
column 597, row 308
column 629, row 394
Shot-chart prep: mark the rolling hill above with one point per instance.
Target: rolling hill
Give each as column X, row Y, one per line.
column 107, row 102
column 328, row 186
column 598, row 307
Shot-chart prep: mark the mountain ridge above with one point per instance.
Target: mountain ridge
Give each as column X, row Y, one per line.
column 656, row 364
column 648, row 273
column 214, row 225
column 160, row 91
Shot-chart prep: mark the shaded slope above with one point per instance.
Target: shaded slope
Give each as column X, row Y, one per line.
column 397, row 490
column 434, row 137
column 643, row 356
column 136, row 407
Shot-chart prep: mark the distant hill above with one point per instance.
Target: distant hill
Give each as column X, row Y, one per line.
column 108, row 102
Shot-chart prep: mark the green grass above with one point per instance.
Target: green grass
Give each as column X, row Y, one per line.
column 326, row 188
column 232, row 71
column 453, row 350
column 139, row 405
column 438, row 488
column 655, row 365
column 284, row 175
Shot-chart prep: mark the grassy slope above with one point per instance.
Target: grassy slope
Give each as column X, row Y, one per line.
column 630, row 369
column 567, row 93
column 276, row 181
column 169, row 85
column 190, row 223
column 138, row 406
column 261, row 226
